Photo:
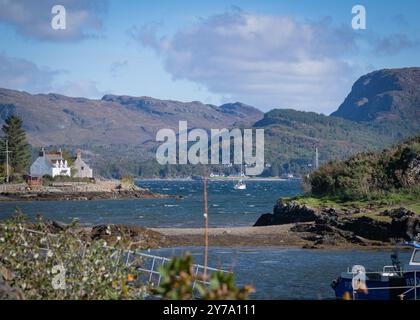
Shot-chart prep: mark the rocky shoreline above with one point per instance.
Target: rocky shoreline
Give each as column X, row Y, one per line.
column 337, row 227
column 64, row 196
column 100, row 190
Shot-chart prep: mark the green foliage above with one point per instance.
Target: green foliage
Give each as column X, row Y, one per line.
column 179, row 282
column 90, row 272
column 47, row 179
column 222, row 287
column 127, row 182
column 407, row 198
column 19, row 148
column 30, row 252
column 370, row 175
column 177, row 279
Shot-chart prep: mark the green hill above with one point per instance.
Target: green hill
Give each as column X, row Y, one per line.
column 291, row 138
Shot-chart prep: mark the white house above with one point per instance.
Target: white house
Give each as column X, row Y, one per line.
column 52, row 164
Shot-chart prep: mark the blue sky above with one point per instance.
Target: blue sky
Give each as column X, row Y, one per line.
column 269, row 53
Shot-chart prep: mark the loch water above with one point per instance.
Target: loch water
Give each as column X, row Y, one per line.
column 227, row 207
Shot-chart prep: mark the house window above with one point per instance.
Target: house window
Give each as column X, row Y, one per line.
column 83, row 168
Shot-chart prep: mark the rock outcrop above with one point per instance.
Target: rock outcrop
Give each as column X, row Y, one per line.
column 132, row 236
column 330, row 226
column 285, row 213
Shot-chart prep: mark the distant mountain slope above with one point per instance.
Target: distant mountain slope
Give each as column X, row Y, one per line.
column 390, row 97
column 291, row 138
column 52, row 119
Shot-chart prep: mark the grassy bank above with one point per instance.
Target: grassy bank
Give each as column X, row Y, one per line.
column 407, row 198
column 370, row 207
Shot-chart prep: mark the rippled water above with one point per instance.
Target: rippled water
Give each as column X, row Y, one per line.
column 227, row 207
column 279, row 273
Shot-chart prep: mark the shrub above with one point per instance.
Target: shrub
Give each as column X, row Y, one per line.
column 368, row 175
column 127, row 182
column 90, row 273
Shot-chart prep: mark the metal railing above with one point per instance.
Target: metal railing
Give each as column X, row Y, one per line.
column 151, row 264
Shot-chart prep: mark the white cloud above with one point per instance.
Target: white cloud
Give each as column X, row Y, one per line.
column 33, row 18
column 394, row 44
column 264, row 60
column 80, row 88
column 21, row 74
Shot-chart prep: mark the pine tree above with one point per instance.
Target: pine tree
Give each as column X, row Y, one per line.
column 19, row 148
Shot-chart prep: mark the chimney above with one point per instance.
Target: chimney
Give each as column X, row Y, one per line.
column 42, row 152
column 78, row 154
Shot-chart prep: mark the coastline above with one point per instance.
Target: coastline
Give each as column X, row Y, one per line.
column 65, row 191
column 219, row 179
column 80, row 196
column 265, row 236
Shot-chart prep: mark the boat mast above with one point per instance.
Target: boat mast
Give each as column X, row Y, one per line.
column 242, row 164
column 206, row 225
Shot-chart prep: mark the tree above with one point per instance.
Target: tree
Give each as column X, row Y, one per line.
column 19, row 148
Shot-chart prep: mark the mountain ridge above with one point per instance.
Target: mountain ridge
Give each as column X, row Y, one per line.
column 385, row 96
column 53, row 119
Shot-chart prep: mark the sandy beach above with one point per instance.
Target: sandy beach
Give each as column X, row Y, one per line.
column 234, row 236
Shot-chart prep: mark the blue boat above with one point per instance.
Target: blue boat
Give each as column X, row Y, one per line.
column 394, row 282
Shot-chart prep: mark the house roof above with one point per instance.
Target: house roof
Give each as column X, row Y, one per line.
column 54, row 157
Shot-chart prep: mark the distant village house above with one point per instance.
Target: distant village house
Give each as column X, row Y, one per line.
column 81, row 168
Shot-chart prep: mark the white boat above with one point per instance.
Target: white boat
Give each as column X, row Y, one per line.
column 240, row 185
